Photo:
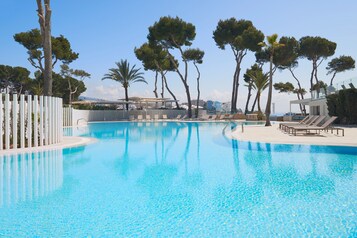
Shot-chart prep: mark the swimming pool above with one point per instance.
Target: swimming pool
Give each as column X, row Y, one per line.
column 178, row 179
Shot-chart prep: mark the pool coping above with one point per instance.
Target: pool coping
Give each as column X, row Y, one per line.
column 68, row 142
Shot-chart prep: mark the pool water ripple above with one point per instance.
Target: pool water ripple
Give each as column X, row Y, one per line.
column 178, row 179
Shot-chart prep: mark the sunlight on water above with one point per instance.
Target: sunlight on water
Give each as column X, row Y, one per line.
column 178, row 179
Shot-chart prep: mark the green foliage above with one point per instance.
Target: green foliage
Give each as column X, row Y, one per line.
column 340, row 64
column 31, row 40
column 124, row 74
column 172, row 32
column 314, row 48
column 154, row 58
column 60, row 86
column 195, row 55
column 14, row 79
column 260, row 81
column 240, row 35
column 286, row 56
column 284, row 87
column 320, row 85
column 343, row 105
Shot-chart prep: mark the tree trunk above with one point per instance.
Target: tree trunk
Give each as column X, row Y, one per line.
column 233, row 102
column 189, row 113
column 126, row 98
column 258, row 99
column 45, row 26
column 333, row 76
column 248, row 98
column 168, row 89
column 70, row 92
column 162, row 87
column 155, row 89
column 302, row 107
column 198, row 89
column 254, row 103
column 183, row 79
column 268, row 107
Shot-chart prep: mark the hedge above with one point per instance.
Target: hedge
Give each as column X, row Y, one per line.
column 343, row 105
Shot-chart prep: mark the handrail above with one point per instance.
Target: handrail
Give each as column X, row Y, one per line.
column 229, row 123
column 83, row 120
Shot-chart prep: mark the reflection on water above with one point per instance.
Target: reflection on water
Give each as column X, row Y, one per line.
column 183, row 179
column 24, row 177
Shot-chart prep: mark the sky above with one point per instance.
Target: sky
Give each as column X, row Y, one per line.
column 104, row 32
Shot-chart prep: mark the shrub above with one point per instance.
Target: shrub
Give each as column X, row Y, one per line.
column 344, row 106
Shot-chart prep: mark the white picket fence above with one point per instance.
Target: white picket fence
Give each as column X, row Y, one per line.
column 31, row 121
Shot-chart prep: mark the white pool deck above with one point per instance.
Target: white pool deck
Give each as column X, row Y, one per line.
column 272, row 134
column 67, row 142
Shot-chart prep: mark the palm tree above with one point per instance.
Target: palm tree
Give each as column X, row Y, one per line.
column 125, row 76
column 270, row 47
column 260, row 82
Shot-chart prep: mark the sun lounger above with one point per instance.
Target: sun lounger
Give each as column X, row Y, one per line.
column 218, row 117
column 307, row 129
column 229, row 117
column 140, row 117
column 307, row 122
column 164, row 117
column 148, row 117
column 281, row 125
column 178, row 117
column 316, row 122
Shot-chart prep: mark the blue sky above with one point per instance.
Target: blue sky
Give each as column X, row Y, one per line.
column 103, row 32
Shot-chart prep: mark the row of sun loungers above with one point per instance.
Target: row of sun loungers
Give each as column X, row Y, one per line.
column 156, row 117
column 311, row 124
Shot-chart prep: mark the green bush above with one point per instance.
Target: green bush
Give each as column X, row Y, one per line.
column 344, row 106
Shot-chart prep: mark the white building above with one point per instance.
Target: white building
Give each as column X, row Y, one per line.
column 317, row 103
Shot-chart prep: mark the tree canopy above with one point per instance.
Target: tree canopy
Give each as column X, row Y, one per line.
column 154, row 58
column 61, row 48
column 14, row 79
column 195, row 55
column 340, row 64
column 172, row 32
column 125, row 75
column 316, row 48
column 240, row 36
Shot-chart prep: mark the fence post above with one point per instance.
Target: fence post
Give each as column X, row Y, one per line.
column 1, row 123
column 22, row 121
column 41, row 121
column 35, row 121
column 7, row 122
column 45, row 107
column 29, row 121
column 14, row 121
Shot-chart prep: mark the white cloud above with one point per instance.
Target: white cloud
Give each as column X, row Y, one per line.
column 216, row 95
column 111, row 92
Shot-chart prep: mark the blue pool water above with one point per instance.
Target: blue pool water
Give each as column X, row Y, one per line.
column 178, row 179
